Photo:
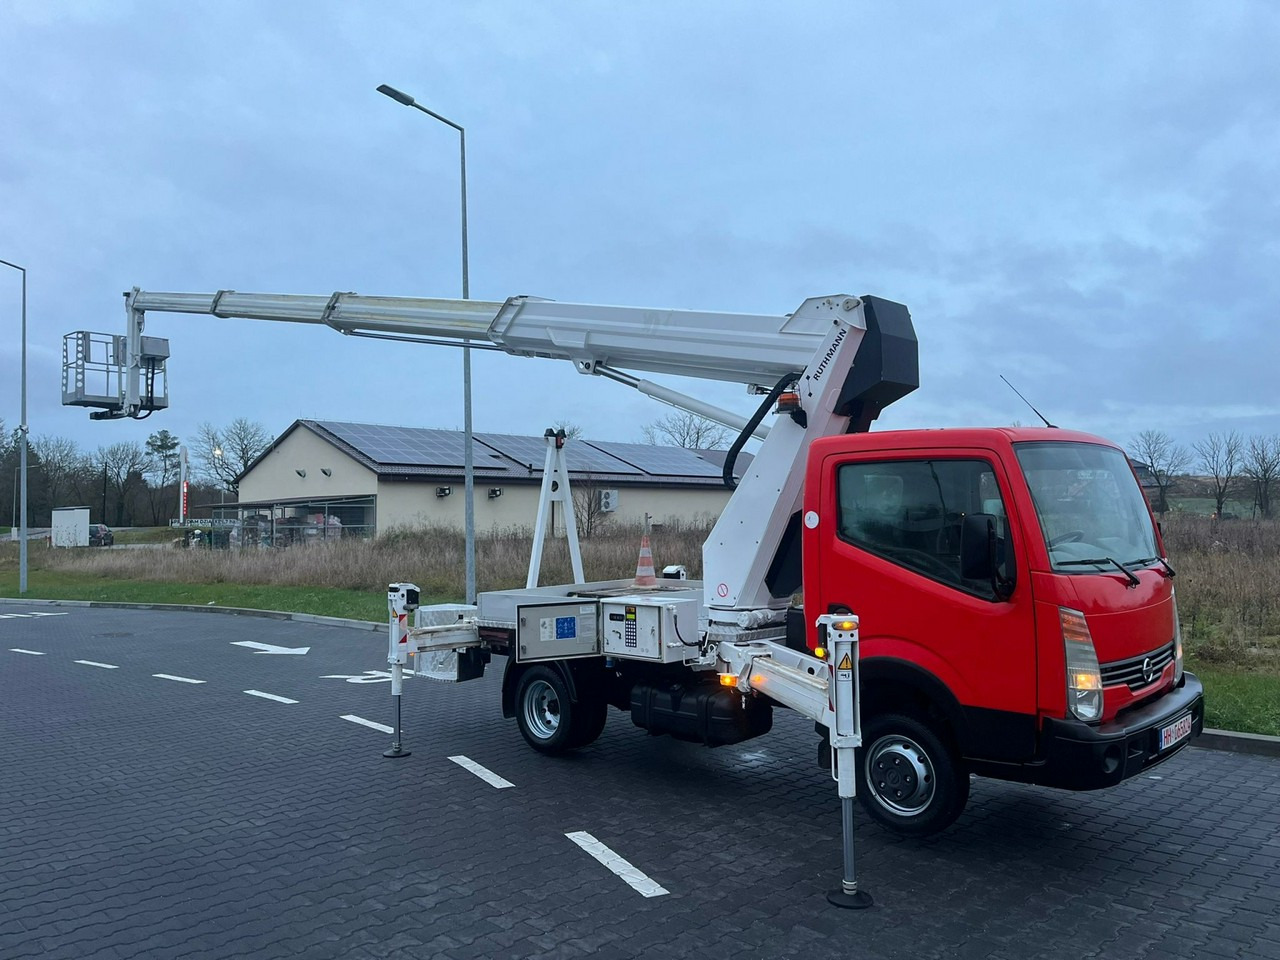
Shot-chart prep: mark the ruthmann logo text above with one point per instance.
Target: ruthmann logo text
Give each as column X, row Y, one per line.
column 831, row 352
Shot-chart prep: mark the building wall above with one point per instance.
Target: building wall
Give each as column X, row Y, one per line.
column 274, row 478
column 414, row 504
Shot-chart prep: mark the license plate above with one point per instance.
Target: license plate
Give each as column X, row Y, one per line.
column 1175, row 732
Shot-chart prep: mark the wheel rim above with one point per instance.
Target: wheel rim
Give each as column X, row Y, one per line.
column 900, row 776
column 541, row 709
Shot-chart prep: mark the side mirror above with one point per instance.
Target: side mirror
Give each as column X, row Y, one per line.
column 981, row 552
column 977, row 560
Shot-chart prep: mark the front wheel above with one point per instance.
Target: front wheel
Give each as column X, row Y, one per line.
column 909, row 778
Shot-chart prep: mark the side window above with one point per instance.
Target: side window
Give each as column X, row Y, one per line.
column 911, row 512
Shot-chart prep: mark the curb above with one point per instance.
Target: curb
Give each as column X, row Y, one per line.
column 1234, row 742
column 189, row 608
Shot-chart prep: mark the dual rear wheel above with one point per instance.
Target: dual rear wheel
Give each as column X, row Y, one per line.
column 549, row 720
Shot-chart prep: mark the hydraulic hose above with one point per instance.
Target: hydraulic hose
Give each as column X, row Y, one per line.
column 736, row 447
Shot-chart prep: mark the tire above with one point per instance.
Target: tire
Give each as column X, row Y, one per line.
column 549, row 721
column 589, row 716
column 910, row 778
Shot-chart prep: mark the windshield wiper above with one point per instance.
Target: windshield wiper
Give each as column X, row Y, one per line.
column 1169, row 571
column 1102, row 562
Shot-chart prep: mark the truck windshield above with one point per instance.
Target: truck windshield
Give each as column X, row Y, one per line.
column 1089, row 505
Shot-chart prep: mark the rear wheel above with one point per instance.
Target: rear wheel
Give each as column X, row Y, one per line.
column 910, row 779
column 544, row 712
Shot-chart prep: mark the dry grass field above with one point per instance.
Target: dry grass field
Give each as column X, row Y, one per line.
column 430, row 557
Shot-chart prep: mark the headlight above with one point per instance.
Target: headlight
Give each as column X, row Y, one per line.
column 1084, row 679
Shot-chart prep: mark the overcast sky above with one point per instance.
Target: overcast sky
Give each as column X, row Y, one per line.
column 1082, row 197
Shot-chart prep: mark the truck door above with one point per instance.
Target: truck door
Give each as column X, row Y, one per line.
column 890, row 528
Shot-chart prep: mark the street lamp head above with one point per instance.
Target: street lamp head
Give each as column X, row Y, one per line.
column 396, row 95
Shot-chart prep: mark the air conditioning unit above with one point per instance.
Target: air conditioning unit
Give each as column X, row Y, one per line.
column 608, row 501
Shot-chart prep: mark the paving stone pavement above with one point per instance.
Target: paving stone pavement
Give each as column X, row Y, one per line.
column 142, row 817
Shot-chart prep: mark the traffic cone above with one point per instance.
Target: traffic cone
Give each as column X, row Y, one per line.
column 645, row 575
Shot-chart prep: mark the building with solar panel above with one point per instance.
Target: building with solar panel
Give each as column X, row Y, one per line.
column 323, row 478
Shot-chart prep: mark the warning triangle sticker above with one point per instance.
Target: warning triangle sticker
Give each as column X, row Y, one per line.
column 845, row 664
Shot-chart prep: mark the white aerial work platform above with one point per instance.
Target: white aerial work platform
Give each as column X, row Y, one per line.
column 699, row 660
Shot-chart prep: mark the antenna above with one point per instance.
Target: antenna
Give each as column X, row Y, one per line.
column 1028, row 403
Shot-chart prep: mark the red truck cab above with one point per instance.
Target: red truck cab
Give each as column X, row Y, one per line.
column 1017, row 615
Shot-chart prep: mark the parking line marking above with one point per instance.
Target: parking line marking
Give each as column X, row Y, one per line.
column 616, row 865
column 269, row 696
column 169, row 676
column 31, row 653
column 368, row 723
column 95, row 663
column 488, row 776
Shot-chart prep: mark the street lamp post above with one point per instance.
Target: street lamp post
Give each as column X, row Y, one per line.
column 222, row 485
column 468, row 459
column 22, row 432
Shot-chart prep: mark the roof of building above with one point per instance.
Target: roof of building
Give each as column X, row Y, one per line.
column 429, row 454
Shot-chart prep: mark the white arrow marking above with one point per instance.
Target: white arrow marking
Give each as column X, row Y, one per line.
column 268, row 647
column 369, row 676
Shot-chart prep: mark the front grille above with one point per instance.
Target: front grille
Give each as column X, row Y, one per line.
column 1129, row 672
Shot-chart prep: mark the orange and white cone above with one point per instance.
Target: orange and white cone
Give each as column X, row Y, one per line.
column 645, row 575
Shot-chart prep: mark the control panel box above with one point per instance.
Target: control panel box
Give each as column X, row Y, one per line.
column 556, row 631
column 648, row 628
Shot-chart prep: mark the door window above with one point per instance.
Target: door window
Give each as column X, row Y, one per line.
column 911, row 512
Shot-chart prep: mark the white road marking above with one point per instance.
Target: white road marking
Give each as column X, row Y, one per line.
column 95, row 663
column 369, row 676
column 368, row 723
column 268, row 647
column 10, row 616
column 615, row 864
column 33, row 653
column 169, row 676
column 269, row 696
column 488, row 776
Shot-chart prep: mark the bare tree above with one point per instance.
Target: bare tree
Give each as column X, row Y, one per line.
column 123, row 465
column 225, row 454
column 1262, row 468
column 59, row 457
column 571, row 430
column 1221, row 458
column 1157, row 450
column 688, row 430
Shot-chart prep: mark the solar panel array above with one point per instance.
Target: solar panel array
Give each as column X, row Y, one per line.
column 499, row 453
column 659, row 461
column 404, row 446
column 579, row 457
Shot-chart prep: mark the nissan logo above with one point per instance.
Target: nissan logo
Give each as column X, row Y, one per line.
column 1148, row 670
